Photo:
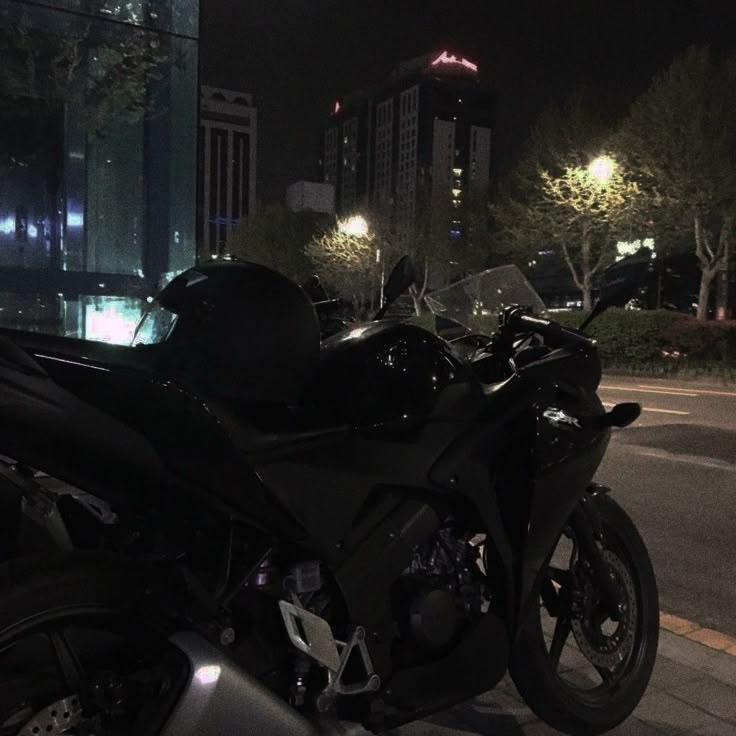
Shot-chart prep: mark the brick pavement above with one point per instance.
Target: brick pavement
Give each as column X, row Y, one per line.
column 692, row 691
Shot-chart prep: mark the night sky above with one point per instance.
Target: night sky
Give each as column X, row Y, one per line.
column 298, row 56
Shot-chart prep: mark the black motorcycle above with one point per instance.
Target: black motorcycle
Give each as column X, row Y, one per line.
column 230, row 527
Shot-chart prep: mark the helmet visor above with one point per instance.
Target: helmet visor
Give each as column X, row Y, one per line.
column 155, row 326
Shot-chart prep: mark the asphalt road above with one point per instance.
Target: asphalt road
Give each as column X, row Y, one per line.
column 674, row 471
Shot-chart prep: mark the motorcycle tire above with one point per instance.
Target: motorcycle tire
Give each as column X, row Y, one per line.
column 34, row 586
column 546, row 693
column 38, row 596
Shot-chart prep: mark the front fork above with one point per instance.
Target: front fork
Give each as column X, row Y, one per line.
column 586, row 523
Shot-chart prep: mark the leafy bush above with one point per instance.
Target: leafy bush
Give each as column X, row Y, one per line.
column 709, row 341
column 623, row 335
column 631, row 337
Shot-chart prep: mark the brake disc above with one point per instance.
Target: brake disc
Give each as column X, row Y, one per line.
column 61, row 717
column 602, row 649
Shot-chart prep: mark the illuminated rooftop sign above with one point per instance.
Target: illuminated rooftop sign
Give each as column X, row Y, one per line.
column 451, row 59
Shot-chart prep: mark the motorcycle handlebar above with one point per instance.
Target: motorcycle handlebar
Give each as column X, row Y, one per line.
column 516, row 319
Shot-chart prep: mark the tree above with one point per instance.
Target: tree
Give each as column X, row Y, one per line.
column 276, row 237
column 445, row 241
column 428, row 245
column 679, row 140
column 583, row 213
column 568, row 193
column 348, row 263
column 108, row 84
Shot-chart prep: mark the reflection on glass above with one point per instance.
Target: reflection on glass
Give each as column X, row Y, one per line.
column 30, row 312
column 115, row 203
column 173, row 16
column 97, row 153
column 155, row 327
column 111, row 319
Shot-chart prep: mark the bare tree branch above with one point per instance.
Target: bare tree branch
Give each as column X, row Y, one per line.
column 678, row 140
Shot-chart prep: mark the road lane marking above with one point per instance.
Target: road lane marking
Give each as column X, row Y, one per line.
column 699, row 390
column 658, row 411
column 687, row 459
column 648, row 391
column 666, row 411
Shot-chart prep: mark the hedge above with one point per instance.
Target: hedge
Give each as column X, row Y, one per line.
column 664, row 338
column 658, row 340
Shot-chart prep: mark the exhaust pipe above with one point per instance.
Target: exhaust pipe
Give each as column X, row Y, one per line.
column 220, row 698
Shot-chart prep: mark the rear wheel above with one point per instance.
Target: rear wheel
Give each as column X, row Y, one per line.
column 76, row 654
column 581, row 669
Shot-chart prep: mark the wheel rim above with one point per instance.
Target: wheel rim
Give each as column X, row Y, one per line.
column 590, row 654
column 82, row 672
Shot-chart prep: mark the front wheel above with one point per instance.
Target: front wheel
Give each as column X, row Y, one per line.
column 581, row 670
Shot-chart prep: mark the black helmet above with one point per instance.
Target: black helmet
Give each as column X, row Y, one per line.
column 237, row 330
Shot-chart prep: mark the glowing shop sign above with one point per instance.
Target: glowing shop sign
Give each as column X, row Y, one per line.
column 445, row 58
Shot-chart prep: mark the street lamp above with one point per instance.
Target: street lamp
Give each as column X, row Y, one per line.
column 355, row 225
column 601, row 169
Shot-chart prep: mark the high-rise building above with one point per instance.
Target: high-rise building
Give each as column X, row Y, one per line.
column 228, row 141
column 98, row 163
column 311, row 196
column 419, row 142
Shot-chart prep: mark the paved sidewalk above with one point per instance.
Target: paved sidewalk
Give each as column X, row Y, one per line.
column 692, row 691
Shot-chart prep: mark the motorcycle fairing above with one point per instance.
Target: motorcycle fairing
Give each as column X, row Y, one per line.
column 47, row 427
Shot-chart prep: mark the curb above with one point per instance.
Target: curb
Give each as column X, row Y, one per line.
column 694, row 632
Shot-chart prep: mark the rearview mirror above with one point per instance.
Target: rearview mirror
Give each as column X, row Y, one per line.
column 622, row 415
column 402, row 276
column 620, row 283
column 622, row 280
column 315, row 291
column 618, row 289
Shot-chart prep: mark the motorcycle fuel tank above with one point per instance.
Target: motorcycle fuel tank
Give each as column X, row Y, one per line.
column 383, row 373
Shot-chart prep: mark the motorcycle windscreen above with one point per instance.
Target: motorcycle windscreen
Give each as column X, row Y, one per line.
column 49, row 429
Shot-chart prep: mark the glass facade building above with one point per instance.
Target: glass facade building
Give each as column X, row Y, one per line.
column 98, row 155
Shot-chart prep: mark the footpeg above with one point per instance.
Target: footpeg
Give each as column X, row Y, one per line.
column 313, row 636
column 310, row 634
column 335, row 685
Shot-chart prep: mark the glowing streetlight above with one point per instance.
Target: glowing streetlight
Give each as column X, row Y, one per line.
column 601, row 169
column 355, row 225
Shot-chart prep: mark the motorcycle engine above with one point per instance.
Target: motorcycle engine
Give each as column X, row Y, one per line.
column 440, row 591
